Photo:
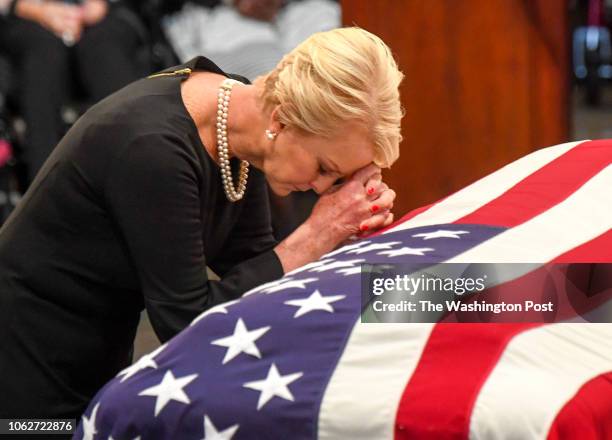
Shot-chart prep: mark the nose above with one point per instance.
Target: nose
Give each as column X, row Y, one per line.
column 322, row 183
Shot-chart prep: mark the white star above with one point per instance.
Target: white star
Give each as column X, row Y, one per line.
column 357, row 270
column 281, row 284
column 336, row 265
column 211, row 433
column 264, row 286
column 346, row 248
column 374, row 247
column 310, row 266
column 170, row 388
column 146, row 361
column 441, row 233
column 314, row 302
column 291, row 284
column 274, row 385
column 405, row 251
column 89, row 424
column 242, row 341
column 220, row 308
column 349, row 271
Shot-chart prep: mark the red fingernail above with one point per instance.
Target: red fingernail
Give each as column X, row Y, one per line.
column 374, row 208
column 370, row 190
column 364, row 228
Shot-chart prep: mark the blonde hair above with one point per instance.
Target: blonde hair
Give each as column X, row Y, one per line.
column 337, row 76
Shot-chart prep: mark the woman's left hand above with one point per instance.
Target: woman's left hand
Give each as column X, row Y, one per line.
column 381, row 199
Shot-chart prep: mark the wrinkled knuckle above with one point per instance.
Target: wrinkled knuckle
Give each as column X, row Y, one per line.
column 355, row 185
column 358, row 199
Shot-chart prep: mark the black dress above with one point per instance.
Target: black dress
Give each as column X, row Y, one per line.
column 126, row 213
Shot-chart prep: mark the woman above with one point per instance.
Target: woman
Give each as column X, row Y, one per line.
column 137, row 199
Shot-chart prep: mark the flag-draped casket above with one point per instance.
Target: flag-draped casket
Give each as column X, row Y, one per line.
column 292, row 359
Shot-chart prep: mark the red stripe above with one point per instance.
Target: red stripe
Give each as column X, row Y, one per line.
column 573, row 289
column 545, row 188
column 407, row 217
column 438, row 400
column 588, row 415
column 416, row 212
column 598, row 250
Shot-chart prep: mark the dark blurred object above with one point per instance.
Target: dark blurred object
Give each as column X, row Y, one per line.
column 160, row 51
column 9, row 195
column 6, row 80
column 290, row 212
column 592, row 50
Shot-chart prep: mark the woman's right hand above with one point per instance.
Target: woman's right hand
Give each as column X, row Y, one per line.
column 359, row 206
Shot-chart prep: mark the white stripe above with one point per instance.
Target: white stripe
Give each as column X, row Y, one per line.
column 361, row 399
column 540, row 371
column 584, row 215
column 472, row 197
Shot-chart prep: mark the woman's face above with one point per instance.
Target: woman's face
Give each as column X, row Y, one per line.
column 298, row 161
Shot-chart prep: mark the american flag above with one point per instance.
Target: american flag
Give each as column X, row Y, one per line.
column 291, row 359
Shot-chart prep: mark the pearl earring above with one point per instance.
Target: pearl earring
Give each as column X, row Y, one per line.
column 271, row 135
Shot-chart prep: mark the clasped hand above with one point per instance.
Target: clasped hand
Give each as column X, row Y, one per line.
column 357, row 207
column 67, row 21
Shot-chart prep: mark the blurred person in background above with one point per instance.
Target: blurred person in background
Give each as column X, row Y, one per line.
column 247, row 36
column 46, row 41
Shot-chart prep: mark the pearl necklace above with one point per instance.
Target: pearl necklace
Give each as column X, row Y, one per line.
column 233, row 194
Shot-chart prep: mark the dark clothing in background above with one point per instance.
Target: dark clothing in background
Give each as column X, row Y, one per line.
column 103, row 60
column 126, row 213
column 168, row 7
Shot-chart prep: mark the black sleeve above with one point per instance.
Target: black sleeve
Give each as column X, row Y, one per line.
column 153, row 194
column 252, row 235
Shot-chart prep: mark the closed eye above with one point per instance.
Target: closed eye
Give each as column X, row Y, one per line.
column 323, row 171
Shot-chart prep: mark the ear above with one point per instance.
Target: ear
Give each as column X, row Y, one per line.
column 274, row 124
